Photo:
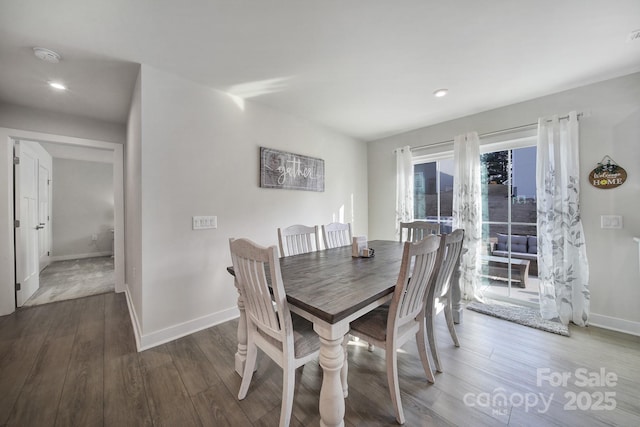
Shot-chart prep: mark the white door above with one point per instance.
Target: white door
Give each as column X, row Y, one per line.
column 44, row 234
column 26, row 205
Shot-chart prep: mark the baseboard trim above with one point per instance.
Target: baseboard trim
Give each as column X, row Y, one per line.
column 180, row 330
column 80, row 256
column 134, row 316
column 614, row 324
column 154, row 339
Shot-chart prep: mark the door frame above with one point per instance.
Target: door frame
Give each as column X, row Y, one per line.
column 7, row 245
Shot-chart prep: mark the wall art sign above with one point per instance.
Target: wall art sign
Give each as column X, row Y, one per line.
column 607, row 175
column 279, row 169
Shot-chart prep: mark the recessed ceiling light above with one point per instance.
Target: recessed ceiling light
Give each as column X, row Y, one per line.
column 440, row 93
column 57, row 85
column 46, row 54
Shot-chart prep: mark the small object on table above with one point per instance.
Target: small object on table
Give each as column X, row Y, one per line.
column 359, row 244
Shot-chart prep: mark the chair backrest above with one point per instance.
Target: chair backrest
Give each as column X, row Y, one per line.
column 256, row 269
column 298, row 239
column 419, row 268
column 418, row 230
column 452, row 248
column 336, row 234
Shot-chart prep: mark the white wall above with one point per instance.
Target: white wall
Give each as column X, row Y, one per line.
column 133, row 209
column 82, row 209
column 611, row 126
column 200, row 156
column 31, row 119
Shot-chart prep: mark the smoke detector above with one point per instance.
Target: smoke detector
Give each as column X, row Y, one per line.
column 46, row 55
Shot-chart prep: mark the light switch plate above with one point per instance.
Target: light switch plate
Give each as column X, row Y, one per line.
column 204, row 222
column 611, row 221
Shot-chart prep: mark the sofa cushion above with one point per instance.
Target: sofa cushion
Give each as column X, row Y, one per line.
column 518, row 243
column 532, row 244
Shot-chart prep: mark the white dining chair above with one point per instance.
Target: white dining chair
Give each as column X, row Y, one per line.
column 288, row 339
column 336, row 234
column 393, row 324
column 417, row 230
column 439, row 296
column 298, row 239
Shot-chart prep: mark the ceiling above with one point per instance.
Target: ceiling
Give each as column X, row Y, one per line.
column 364, row 68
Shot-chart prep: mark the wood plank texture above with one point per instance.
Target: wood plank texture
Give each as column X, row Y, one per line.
column 361, row 279
column 75, row 363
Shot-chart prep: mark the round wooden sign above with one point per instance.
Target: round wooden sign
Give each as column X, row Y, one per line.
column 605, row 179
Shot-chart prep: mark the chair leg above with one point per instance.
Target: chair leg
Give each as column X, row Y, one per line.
column 288, row 383
column 249, row 367
column 448, row 315
column 394, row 386
column 433, row 345
column 424, row 356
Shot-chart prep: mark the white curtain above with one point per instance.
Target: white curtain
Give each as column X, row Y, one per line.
column 404, row 186
column 467, row 209
column 563, row 270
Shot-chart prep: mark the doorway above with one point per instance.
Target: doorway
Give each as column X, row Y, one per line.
column 509, row 219
column 77, row 227
column 8, row 255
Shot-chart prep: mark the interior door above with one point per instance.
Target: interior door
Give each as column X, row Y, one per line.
column 26, row 208
column 44, row 234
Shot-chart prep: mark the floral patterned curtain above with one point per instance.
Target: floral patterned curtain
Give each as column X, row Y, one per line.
column 404, row 187
column 467, row 209
column 563, row 270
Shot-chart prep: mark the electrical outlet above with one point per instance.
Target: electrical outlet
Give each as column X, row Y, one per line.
column 611, row 221
column 204, row 222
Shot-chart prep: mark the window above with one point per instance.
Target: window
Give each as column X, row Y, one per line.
column 433, row 192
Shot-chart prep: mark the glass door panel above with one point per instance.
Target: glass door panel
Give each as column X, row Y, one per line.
column 509, row 254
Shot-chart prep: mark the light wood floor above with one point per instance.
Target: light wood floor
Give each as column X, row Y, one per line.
column 74, row 363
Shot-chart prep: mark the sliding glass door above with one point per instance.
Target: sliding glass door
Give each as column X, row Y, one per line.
column 509, row 261
column 509, row 265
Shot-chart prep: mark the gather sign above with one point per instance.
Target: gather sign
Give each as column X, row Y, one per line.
column 607, row 176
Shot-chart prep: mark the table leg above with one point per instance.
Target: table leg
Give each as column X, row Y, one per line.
column 241, row 353
column 345, row 367
column 524, row 274
column 332, row 361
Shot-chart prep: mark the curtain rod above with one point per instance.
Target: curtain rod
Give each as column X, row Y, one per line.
column 484, row 135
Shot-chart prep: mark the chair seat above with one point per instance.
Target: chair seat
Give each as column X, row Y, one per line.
column 305, row 339
column 374, row 324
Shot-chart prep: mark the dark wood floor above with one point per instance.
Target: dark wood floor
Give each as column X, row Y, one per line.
column 74, row 363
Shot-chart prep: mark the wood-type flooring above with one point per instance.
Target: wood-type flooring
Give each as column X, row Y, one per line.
column 74, row 363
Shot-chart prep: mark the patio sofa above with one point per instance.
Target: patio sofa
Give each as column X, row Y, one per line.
column 522, row 247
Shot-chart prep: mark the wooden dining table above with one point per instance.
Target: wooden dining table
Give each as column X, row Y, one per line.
column 331, row 288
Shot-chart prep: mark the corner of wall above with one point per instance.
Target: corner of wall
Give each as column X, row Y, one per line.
column 135, row 324
column 156, row 338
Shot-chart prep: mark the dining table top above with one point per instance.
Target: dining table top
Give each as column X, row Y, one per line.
column 331, row 285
